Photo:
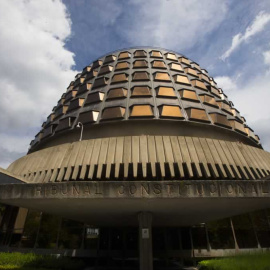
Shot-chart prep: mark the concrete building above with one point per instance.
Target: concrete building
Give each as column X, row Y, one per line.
column 143, row 163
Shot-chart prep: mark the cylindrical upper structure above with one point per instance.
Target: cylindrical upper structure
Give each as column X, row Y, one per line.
column 145, row 112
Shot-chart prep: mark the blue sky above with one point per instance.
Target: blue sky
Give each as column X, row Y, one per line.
column 45, row 43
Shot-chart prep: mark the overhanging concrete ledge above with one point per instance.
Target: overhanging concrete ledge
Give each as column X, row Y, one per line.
column 172, row 203
column 7, row 177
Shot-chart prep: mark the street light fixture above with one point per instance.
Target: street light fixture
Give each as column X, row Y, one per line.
column 80, row 125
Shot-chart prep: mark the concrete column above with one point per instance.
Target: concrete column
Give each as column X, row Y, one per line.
column 145, row 234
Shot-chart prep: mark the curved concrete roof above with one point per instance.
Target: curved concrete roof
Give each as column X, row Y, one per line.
column 138, row 86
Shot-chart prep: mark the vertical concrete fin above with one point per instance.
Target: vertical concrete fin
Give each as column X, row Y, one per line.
column 185, row 155
column 177, row 155
column 143, row 154
column 94, row 158
column 86, row 158
column 152, row 154
column 110, row 156
column 119, row 152
column 160, row 154
column 169, row 154
column 135, row 154
column 102, row 156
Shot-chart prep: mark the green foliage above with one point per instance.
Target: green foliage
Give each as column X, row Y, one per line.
column 258, row 261
column 30, row 261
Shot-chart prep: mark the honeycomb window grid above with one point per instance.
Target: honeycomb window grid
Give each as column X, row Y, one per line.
column 124, row 55
column 97, row 64
column 184, row 60
column 156, row 54
column 100, row 82
column 141, row 111
column 65, row 123
column 93, row 98
column 170, row 111
column 117, row 93
column 122, row 65
column 165, row 92
column 112, row 113
column 158, row 64
column 181, row 79
column 140, row 63
column 190, row 95
column 105, row 69
column 176, row 67
column 197, row 114
column 91, row 75
column 171, row 56
column 75, row 104
column 88, row 117
column 191, row 72
column 199, row 84
column 141, row 76
column 161, row 76
column 109, row 59
column 220, row 119
column 208, row 100
column 140, row 54
column 202, row 74
column 120, row 78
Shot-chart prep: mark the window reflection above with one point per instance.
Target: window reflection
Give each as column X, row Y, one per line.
column 9, row 214
column 158, row 239
column 199, row 236
column 48, row 232
column 173, row 239
column 117, row 238
column 71, row 234
column 91, row 237
column 132, row 239
column 244, row 232
column 220, row 234
column 30, row 229
column 261, row 226
column 185, row 237
column 18, row 227
column 104, row 238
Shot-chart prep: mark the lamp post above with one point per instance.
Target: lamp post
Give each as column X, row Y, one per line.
column 80, row 125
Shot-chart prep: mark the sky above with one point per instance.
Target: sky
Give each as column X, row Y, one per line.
column 44, row 44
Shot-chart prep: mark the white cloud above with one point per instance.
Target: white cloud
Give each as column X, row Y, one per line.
column 35, row 68
column 173, row 24
column 266, row 56
column 227, row 83
column 259, row 23
column 252, row 100
column 14, row 142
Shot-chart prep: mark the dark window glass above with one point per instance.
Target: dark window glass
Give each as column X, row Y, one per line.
column 132, row 239
column 30, row 229
column 8, row 217
column 18, row 226
column 16, row 238
column 220, row 234
column 244, row 232
column 185, row 238
column 91, row 237
column 104, row 238
column 173, row 238
column 199, row 237
column 261, row 225
column 71, row 234
column 117, row 238
column 48, row 232
column 158, row 239
column 2, row 212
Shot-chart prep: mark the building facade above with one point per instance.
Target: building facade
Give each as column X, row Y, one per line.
column 144, row 162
